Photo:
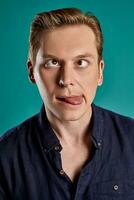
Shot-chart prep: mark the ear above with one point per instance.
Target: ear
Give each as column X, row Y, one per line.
column 30, row 71
column 100, row 73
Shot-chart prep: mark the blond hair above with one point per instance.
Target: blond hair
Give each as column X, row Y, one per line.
column 58, row 18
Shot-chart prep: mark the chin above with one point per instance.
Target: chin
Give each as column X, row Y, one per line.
column 67, row 113
column 70, row 116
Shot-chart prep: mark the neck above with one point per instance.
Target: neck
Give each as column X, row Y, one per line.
column 71, row 132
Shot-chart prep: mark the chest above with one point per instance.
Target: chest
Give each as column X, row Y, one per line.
column 110, row 179
column 73, row 160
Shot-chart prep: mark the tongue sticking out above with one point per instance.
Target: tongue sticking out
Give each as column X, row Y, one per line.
column 73, row 100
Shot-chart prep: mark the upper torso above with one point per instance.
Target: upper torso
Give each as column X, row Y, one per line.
column 31, row 162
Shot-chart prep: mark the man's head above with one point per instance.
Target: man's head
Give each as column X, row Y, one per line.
column 47, row 21
column 65, row 61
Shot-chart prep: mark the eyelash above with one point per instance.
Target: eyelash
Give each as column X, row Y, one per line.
column 59, row 64
column 47, row 62
column 86, row 61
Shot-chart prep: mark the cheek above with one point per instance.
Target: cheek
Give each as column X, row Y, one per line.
column 90, row 80
column 45, row 81
column 88, row 85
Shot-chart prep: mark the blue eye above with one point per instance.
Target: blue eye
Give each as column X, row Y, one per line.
column 52, row 63
column 83, row 63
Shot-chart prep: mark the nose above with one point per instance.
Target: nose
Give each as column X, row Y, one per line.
column 66, row 76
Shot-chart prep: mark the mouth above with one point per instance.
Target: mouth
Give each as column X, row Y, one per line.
column 72, row 100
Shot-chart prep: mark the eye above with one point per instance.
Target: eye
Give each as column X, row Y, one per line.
column 52, row 63
column 83, row 63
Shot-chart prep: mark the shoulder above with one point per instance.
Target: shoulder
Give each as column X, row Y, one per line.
column 15, row 136
column 121, row 123
column 111, row 114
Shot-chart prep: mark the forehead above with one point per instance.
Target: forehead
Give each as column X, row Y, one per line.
column 69, row 40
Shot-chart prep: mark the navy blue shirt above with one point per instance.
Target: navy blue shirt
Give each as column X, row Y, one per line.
column 31, row 167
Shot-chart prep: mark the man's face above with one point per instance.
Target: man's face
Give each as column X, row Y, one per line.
column 68, row 54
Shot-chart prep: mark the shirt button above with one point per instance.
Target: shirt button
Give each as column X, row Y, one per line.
column 99, row 145
column 62, row 172
column 115, row 187
column 45, row 150
column 56, row 148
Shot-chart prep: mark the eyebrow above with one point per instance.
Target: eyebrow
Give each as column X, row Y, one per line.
column 49, row 56
column 85, row 55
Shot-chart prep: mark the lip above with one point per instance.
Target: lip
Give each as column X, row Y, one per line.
column 73, row 100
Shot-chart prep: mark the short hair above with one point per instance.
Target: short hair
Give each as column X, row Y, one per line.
column 58, row 18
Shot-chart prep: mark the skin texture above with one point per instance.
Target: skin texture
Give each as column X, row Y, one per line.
column 69, row 55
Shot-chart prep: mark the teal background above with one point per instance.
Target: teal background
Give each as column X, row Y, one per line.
column 19, row 99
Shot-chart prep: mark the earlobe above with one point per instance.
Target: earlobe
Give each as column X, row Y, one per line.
column 101, row 68
column 30, row 72
column 100, row 81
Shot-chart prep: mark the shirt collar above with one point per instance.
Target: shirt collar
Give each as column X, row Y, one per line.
column 98, row 124
column 49, row 140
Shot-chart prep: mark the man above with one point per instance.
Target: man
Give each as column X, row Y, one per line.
column 72, row 149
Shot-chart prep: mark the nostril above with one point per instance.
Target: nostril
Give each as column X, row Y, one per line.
column 65, row 84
